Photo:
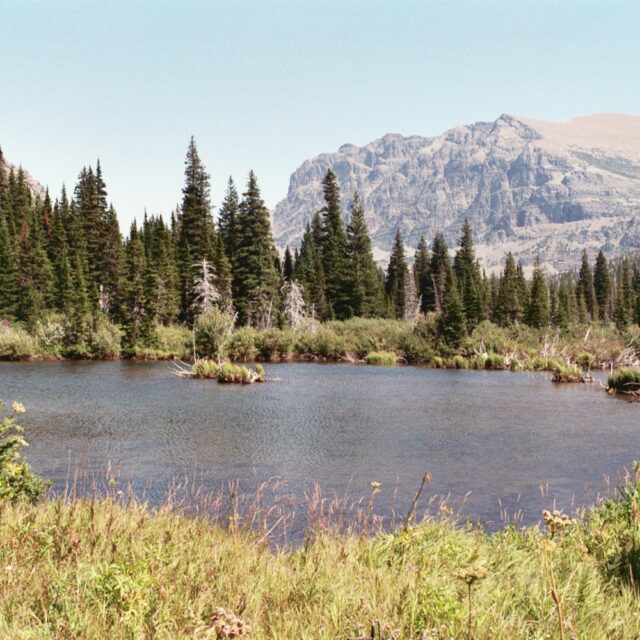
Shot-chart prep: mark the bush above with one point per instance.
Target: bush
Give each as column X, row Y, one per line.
column 173, row 341
column 15, row 343
column 458, row 362
column 105, row 340
column 49, row 334
column 17, row 481
column 232, row 373
column 381, row 358
column 242, row 344
column 213, row 331
column 567, row 373
column 275, row 344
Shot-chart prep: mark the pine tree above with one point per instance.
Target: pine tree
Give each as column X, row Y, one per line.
column 509, row 307
column 422, row 273
column 585, row 288
column 538, row 310
column 366, row 298
column 439, row 266
column 287, row 265
column 9, row 284
column 602, row 286
column 396, row 280
column 452, row 322
column 469, row 280
column 196, row 226
column 255, row 279
column 625, row 298
column 567, row 311
column 227, row 221
column 334, row 252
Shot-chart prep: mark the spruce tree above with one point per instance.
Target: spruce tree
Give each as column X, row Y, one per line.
column 538, row 310
column 366, row 298
column 439, row 266
column 422, row 273
column 255, row 279
column 585, row 288
column 9, row 283
column 469, row 280
column 452, row 322
column 287, row 265
column 602, row 286
column 396, row 281
column 335, row 260
column 227, row 221
column 196, row 226
column 509, row 307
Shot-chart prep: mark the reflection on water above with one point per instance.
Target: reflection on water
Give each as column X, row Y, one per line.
column 500, row 436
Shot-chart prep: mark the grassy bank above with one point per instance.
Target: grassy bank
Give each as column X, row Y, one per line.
column 358, row 340
column 97, row 569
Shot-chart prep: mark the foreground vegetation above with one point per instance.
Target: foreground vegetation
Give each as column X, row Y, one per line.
column 113, row 568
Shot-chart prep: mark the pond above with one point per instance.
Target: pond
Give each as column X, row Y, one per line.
column 515, row 441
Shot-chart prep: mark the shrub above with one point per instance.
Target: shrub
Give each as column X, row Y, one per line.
column 174, row 341
column 381, row 358
column 585, row 359
column 242, row 344
column 567, row 373
column 275, row 344
column 458, row 362
column 624, row 380
column 105, row 340
column 213, row 331
column 17, row 481
column 49, row 333
column 230, row 373
column 15, row 343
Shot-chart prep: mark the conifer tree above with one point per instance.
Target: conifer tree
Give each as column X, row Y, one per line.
column 585, row 288
column 196, row 226
column 396, row 281
column 602, row 286
column 422, row 273
column 469, row 279
column 439, row 266
column 452, row 322
column 509, row 307
column 227, row 221
column 255, row 279
column 287, row 265
column 538, row 310
column 625, row 298
column 333, row 245
column 366, row 298
column 9, row 283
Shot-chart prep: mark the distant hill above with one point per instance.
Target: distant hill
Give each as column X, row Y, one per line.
column 532, row 187
column 35, row 187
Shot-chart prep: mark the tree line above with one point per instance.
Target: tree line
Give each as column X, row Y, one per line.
column 69, row 257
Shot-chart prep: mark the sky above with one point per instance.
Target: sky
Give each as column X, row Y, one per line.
column 265, row 84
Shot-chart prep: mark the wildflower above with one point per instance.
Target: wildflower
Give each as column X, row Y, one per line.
column 375, row 486
column 228, row 625
column 471, row 575
column 557, row 522
column 18, row 407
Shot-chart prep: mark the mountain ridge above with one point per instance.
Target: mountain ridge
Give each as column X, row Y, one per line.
column 530, row 186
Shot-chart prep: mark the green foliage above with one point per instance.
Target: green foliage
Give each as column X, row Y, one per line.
column 213, row 332
column 381, row 358
column 242, row 344
column 173, row 341
column 15, row 343
column 105, row 339
column 624, row 380
column 275, row 344
column 205, row 369
column 17, row 481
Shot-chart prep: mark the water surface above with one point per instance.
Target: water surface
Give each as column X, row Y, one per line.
column 500, row 436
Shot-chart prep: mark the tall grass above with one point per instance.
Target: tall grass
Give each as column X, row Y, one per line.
column 112, row 568
column 381, row 358
column 625, row 381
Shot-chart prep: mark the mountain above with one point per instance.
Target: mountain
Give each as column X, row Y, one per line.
column 527, row 186
column 35, row 187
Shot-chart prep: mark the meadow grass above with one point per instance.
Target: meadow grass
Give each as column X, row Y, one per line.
column 98, row 568
column 381, row 358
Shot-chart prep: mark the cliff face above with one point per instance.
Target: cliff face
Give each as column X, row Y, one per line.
column 34, row 186
column 527, row 186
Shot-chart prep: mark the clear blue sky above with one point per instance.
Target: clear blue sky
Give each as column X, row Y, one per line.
column 264, row 85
